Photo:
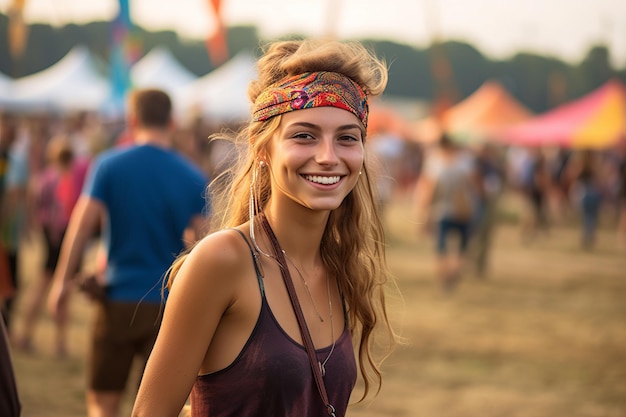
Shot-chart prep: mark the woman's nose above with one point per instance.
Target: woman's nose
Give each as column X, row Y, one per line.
column 327, row 153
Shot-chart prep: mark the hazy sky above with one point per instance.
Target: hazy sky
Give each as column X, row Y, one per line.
column 564, row 28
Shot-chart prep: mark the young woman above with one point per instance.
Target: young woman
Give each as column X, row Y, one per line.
column 298, row 209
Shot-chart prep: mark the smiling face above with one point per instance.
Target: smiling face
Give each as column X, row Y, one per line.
column 315, row 157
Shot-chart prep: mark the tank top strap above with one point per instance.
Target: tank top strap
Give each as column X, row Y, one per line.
column 255, row 260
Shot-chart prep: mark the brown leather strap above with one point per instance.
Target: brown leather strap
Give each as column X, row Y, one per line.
column 304, row 330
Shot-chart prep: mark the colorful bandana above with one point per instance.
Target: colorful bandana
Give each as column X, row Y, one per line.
column 308, row 90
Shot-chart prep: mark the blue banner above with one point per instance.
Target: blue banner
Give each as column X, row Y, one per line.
column 125, row 51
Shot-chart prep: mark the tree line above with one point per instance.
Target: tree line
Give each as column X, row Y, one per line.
column 540, row 82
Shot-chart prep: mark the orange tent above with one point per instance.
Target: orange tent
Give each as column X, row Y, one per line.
column 478, row 117
column 596, row 120
column 383, row 118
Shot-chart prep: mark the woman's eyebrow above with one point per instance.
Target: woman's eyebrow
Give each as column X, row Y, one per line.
column 316, row 126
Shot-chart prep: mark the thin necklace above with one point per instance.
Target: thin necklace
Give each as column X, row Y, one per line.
column 332, row 329
column 306, row 286
column 322, row 365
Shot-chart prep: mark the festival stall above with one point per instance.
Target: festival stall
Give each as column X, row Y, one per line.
column 73, row 83
column 222, row 94
column 482, row 114
column 385, row 119
column 478, row 117
column 159, row 68
column 596, row 120
column 6, row 91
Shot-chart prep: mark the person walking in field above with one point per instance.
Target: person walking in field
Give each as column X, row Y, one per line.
column 148, row 203
column 586, row 190
column 447, row 195
column 490, row 182
column 56, row 192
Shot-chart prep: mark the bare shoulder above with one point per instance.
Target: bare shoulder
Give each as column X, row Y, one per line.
column 220, row 258
column 226, row 246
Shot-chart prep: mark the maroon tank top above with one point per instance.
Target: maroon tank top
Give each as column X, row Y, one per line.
column 272, row 377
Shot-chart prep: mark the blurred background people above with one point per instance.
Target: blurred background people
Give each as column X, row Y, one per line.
column 620, row 191
column 584, row 172
column 149, row 202
column 535, row 186
column 490, row 172
column 558, row 195
column 13, row 211
column 55, row 193
column 447, row 196
column 9, row 399
column 387, row 149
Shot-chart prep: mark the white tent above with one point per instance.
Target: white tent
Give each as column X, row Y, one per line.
column 160, row 69
column 6, row 89
column 69, row 85
column 222, row 94
column 5, row 82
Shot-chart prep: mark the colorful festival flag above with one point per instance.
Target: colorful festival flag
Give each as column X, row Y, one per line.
column 125, row 51
column 216, row 43
column 17, row 31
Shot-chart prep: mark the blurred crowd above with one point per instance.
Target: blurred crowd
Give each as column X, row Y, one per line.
column 553, row 186
column 459, row 190
column 44, row 159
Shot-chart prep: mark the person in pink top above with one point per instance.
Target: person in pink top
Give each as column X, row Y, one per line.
column 56, row 192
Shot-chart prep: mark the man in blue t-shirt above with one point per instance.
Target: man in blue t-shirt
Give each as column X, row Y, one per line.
column 148, row 203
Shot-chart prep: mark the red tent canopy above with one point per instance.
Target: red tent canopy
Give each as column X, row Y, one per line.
column 596, row 120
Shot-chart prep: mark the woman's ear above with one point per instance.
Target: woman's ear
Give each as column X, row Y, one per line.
column 263, row 156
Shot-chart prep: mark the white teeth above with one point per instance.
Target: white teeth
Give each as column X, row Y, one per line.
column 322, row 180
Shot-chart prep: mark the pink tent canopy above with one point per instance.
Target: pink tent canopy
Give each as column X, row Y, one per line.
column 596, row 120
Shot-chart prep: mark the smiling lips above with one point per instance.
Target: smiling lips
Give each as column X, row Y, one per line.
column 318, row 179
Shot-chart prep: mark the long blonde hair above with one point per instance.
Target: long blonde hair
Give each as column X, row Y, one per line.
column 353, row 244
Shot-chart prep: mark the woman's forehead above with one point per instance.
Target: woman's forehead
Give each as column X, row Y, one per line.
column 323, row 117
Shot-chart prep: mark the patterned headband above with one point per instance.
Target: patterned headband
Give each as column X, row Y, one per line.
column 308, row 90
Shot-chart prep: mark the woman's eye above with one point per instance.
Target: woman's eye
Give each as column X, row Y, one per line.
column 303, row 136
column 349, row 138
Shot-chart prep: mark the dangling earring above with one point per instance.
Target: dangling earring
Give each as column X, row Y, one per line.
column 262, row 163
column 253, row 209
column 252, row 205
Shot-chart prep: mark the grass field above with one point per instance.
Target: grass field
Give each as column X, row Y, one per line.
column 544, row 335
